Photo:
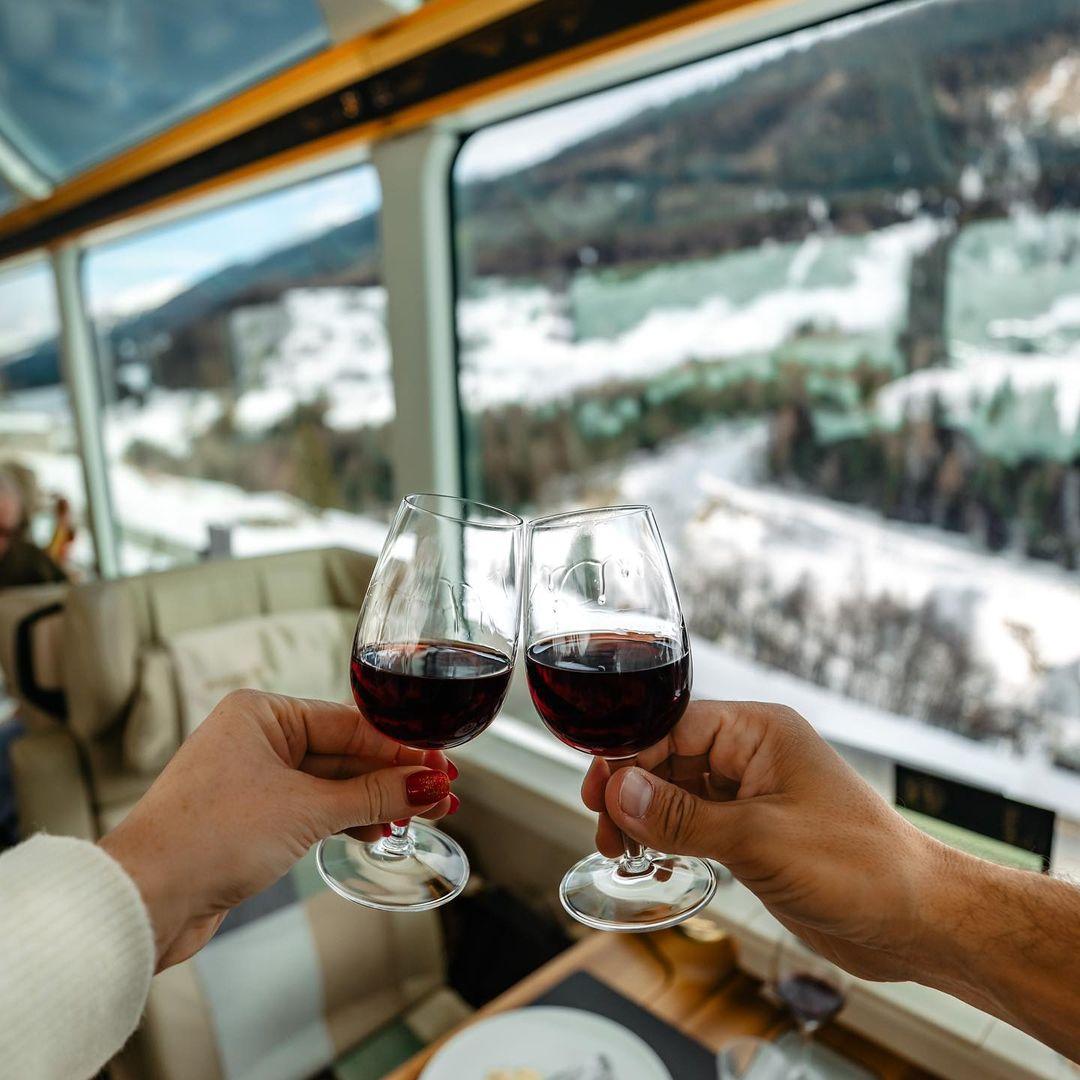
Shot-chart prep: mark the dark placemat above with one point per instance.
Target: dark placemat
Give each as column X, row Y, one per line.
column 685, row 1058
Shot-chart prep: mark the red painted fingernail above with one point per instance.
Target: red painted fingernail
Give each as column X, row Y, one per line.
column 451, row 770
column 455, row 802
column 403, row 823
column 386, row 830
column 427, row 787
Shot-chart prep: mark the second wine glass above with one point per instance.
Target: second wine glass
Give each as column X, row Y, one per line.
column 609, row 672
column 431, row 662
column 814, row 991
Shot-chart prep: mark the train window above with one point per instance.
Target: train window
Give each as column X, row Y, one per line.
column 817, row 301
column 245, row 370
column 83, row 81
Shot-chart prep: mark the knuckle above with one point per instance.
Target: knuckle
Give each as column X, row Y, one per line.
column 241, row 697
column 792, row 723
column 786, row 714
column 374, row 802
column 676, row 816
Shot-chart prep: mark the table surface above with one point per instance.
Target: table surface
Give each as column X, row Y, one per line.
column 695, row 986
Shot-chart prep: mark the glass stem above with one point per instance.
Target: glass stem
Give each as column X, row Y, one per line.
column 398, row 844
column 802, row 1060
column 634, row 861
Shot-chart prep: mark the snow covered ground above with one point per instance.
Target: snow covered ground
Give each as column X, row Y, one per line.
column 518, row 343
column 533, row 344
column 720, row 513
column 334, row 347
column 166, row 519
column 1019, row 615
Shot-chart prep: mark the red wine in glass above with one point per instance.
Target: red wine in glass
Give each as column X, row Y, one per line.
column 812, row 1001
column 432, row 695
column 612, row 693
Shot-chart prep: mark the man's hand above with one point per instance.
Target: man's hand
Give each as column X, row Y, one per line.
column 754, row 787
column 261, row 780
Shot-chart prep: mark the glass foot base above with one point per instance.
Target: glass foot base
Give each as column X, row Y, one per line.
column 817, row 1061
column 675, row 887
column 433, row 872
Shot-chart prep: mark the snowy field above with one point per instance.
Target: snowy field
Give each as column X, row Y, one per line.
column 1018, row 614
column 531, row 343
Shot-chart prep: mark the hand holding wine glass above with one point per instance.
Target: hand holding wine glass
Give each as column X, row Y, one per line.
column 753, row 786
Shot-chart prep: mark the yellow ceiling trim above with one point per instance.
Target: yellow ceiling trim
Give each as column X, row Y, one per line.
column 435, row 23
column 321, row 75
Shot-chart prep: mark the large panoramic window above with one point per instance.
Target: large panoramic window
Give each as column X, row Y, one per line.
column 38, row 449
column 245, row 370
column 818, row 302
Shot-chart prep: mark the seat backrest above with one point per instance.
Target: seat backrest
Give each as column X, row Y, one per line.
column 136, row 658
column 110, row 626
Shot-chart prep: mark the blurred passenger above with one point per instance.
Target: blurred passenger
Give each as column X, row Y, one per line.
column 84, row 926
column 756, row 788
column 21, row 561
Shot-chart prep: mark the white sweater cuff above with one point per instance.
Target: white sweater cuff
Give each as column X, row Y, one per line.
column 76, row 958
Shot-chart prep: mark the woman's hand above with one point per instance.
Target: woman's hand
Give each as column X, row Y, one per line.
column 262, row 779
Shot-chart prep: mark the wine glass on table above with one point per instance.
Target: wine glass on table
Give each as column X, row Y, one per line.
column 813, row 991
column 431, row 663
column 608, row 668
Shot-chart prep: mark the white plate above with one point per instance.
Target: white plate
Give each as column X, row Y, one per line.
column 545, row 1038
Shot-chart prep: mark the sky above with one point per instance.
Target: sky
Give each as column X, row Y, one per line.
column 138, row 272
column 27, row 306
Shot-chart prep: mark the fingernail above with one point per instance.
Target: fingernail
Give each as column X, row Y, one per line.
column 427, row 787
column 403, row 823
column 455, row 802
column 451, row 770
column 635, row 794
column 385, row 830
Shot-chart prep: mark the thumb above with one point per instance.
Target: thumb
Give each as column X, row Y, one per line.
column 383, row 795
column 664, row 816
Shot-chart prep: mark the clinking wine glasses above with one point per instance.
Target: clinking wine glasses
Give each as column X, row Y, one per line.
column 609, row 670
column 431, row 662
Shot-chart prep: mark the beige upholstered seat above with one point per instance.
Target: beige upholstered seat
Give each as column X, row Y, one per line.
column 113, row 652
column 109, row 680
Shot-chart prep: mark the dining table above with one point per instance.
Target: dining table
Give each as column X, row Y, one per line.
column 691, row 984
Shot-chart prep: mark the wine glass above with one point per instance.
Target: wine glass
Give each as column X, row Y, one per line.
column 813, row 990
column 608, row 668
column 431, row 663
column 748, row 1058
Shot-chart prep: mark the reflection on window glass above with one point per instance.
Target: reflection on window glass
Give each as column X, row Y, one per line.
column 245, row 366
column 43, row 534
column 818, row 301
column 81, row 81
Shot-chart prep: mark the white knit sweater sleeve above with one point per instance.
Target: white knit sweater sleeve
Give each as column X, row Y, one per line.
column 76, row 959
